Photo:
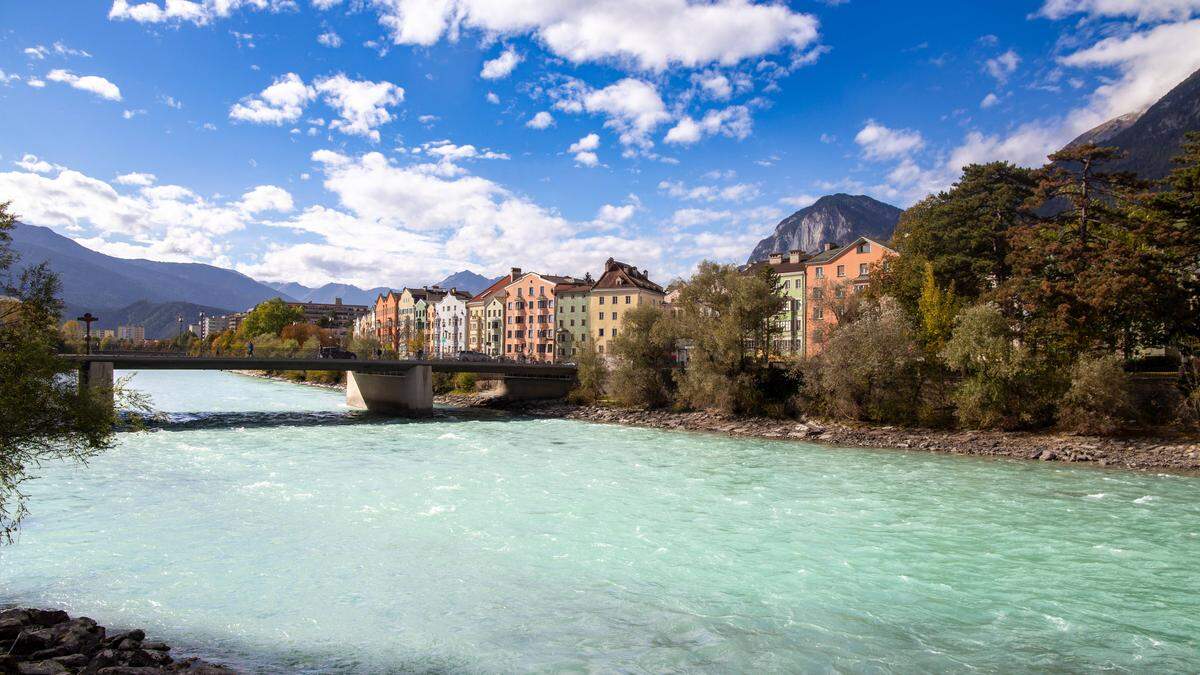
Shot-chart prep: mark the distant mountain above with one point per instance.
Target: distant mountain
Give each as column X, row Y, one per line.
column 161, row 319
column 838, row 218
column 466, row 280
column 1153, row 137
column 350, row 295
column 101, row 283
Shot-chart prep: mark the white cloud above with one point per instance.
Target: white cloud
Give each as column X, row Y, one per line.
column 880, row 142
column 198, row 12
column 694, row 217
column 647, row 34
column 585, row 150
column 714, row 85
column 492, row 98
column 266, row 198
column 171, row 102
column 428, row 119
column 130, row 114
column 283, row 101
column 501, row 66
column 1143, row 10
column 330, row 39
column 633, row 108
column 38, row 52
column 91, row 83
column 799, row 201
column 1002, row 66
column 989, row 101
column 136, row 178
column 5, row 78
column 541, row 120
column 362, row 105
column 32, row 163
column 736, row 192
column 612, row 216
column 35, row 83
column 734, row 122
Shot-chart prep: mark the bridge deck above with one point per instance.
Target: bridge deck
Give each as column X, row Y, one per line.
column 158, row 362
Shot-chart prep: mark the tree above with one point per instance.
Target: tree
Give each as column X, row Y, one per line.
column 1081, row 275
column 727, row 318
column 1003, row 384
column 962, row 232
column 936, row 310
column 592, row 375
column 269, row 318
column 868, row 369
column 43, row 414
column 644, row 353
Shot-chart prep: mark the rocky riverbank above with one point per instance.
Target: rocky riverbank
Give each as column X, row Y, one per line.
column 50, row 642
column 1142, row 453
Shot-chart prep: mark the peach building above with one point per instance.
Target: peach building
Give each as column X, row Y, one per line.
column 830, row 275
column 529, row 313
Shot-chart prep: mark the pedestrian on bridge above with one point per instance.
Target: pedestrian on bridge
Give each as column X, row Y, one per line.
column 250, row 349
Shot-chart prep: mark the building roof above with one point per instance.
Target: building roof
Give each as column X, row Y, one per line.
column 574, row 286
column 618, row 275
column 784, row 267
column 833, row 254
column 496, row 287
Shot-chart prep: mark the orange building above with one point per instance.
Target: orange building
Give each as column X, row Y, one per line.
column 529, row 316
column 387, row 317
column 830, row 276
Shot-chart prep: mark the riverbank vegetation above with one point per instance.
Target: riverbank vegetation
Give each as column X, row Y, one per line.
column 43, row 414
column 1021, row 299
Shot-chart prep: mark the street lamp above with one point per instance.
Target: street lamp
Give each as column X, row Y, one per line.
column 87, row 320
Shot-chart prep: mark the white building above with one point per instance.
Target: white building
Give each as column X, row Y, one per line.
column 450, row 329
column 365, row 326
column 211, row 325
column 131, row 333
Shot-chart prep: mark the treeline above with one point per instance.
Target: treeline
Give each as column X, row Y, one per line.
column 1021, row 299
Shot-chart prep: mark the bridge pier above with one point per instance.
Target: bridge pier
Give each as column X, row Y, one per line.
column 519, row 388
column 406, row 393
column 98, row 377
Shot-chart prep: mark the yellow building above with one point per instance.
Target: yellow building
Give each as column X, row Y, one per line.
column 621, row 288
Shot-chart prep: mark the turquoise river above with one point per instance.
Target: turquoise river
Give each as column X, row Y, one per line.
column 268, row 527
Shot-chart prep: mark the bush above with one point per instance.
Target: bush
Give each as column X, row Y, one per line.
column 443, row 383
column 592, row 376
column 464, row 382
column 1189, row 408
column 644, row 353
column 868, row 370
column 1004, row 385
column 1098, row 400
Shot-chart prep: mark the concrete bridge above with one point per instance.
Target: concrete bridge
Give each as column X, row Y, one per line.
column 396, row 387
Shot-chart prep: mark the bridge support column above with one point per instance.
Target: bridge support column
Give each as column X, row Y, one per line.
column 406, row 393
column 97, row 376
column 517, row 388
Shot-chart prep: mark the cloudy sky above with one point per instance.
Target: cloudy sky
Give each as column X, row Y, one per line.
column 389, row 142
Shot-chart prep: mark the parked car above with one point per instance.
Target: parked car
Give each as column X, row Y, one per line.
column 335, row 353
column 473, row 356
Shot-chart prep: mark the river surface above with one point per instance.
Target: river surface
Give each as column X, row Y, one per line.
column 268, row 527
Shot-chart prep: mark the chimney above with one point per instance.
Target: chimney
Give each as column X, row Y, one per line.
column 794, row 255
column 830, row 245
column 516, row 272
column 775, row 258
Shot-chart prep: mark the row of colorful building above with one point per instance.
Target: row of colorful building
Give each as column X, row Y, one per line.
column 530, row 316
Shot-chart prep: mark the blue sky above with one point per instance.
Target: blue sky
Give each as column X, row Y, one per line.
column 389, row 142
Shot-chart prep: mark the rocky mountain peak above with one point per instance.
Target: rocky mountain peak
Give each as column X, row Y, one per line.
column 838, row 218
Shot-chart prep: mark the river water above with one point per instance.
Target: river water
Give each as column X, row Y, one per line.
column 268, row 527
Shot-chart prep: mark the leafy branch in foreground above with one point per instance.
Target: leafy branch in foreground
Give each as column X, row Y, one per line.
column 43, row 414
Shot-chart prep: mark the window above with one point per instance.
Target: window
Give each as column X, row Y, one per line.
column 600, row 349
column 862, row 270
column 841, row 270
column 864, row 247
column 816, row 294
column 614, row 332
column 840, row 292
column 614, row 319
column 818, row 312
column 602, row 299
column 601, row 332
column 786, row 284
column 601, row 316
column 820, row 272
column 628, row 299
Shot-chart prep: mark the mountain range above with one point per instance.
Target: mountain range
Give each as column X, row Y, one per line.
column 838, row 218
column 1150, row 138
column 465, row 280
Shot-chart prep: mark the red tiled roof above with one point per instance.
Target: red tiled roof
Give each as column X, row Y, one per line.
column 619, row 275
